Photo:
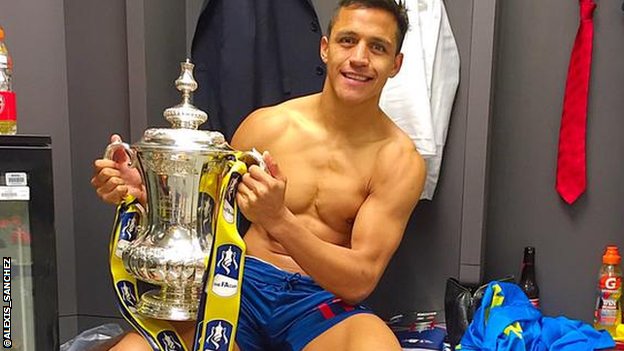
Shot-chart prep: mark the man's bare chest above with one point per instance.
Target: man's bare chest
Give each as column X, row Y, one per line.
column 324, row 184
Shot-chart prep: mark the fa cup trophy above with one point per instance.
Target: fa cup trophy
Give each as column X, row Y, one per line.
column 167, row 244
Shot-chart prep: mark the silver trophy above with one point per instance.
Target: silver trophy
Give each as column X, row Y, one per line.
column 182, row 169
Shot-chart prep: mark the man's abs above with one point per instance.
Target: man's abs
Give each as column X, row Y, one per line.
column 262, row 246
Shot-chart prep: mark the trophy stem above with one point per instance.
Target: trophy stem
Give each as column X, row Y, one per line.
column 170, row 303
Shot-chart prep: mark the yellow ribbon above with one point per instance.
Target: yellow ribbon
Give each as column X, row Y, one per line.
column 221, row 292
column 159, row 334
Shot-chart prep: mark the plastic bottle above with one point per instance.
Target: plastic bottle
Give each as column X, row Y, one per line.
column 8, row 112
column 608, row 313
column 528, row 282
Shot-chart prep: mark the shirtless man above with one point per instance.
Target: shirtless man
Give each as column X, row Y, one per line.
column 330, row 212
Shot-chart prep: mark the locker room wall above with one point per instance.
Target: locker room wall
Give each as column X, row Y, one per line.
column 534, row 45
column 90, row 68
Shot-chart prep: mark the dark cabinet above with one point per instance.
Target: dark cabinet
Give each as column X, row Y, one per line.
column 27, row 244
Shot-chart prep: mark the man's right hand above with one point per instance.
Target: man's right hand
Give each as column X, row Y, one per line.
column 114, row 179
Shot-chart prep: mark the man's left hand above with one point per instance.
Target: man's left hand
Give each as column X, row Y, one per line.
column 261, row 194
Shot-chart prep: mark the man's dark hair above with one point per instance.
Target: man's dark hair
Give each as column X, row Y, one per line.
column 395, row 7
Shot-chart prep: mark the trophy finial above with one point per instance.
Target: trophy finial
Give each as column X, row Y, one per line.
column 186, row 83
column 185, row 115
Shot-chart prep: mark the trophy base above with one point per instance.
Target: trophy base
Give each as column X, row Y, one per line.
column 168, row 304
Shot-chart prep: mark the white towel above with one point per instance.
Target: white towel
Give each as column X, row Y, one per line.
column 420, row 98
column 405, row 97
column 444, row 85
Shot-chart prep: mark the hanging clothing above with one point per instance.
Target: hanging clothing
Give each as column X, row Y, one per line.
column 420, row 98
column 254, row 53
column 405, row 98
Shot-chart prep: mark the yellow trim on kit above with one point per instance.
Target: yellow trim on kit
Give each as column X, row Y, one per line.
column 515, row 328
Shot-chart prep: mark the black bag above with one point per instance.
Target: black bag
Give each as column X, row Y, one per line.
column 460, row 303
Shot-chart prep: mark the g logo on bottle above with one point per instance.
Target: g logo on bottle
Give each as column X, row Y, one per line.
column 2, row 103
column 611, row 283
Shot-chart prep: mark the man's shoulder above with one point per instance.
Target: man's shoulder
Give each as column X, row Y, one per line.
column 269, row 123
column 398, row 143
column 399, row 158
column 400, row 149
column 282, row 112
column 266, row 119
column 280, row 116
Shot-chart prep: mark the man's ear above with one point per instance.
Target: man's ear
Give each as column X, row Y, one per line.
column 398, row 61
column 324, row 48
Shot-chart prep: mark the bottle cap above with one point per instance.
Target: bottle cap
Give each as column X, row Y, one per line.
column 611, row 255
column 1, row 33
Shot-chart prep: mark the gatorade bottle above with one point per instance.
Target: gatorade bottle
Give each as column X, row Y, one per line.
column 8, row 120
column 608, row 313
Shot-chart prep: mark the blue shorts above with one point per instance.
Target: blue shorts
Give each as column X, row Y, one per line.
column 285, row 311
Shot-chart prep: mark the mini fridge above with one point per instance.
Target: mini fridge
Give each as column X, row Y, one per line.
column 27, row 244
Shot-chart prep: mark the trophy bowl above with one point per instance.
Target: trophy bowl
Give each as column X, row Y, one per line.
column 182, row 170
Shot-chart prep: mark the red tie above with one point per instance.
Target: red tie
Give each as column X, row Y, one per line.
column 571, row 175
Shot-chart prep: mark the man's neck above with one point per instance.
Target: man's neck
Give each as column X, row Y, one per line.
column 349, row 118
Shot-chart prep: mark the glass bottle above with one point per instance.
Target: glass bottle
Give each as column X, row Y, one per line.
column 528, row 282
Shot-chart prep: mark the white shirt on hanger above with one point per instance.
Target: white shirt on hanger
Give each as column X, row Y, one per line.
column 420, row 98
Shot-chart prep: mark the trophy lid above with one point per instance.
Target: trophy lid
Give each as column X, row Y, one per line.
column 184, row 119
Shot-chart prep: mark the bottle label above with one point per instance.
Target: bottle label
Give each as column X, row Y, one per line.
column 607, row 312
column 535, row 302
column 608, row 304
column 7, row 106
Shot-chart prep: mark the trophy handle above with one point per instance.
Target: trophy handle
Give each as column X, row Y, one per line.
column 108, row 155
column 112, row 148
column 253, row 157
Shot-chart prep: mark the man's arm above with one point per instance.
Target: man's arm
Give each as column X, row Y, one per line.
column 350, row 273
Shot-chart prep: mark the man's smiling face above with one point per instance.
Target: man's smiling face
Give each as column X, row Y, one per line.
column 361, row 53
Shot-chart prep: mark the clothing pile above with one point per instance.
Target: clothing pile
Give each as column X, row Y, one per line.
column 507, row 320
